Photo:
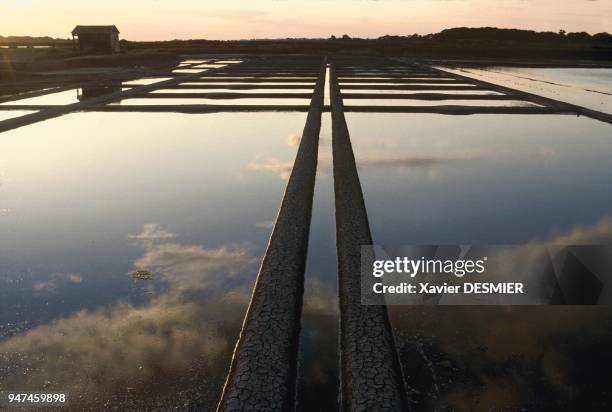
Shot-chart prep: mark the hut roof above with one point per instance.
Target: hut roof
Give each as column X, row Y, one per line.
column 94, row 29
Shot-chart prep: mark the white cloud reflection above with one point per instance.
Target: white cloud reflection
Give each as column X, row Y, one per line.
column 283, row 169
column 151, row 232
column 56, row 280
column 294, row 139
column 104, row 354
column 266, row 224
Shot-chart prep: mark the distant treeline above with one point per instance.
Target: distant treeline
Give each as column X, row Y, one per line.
column 31, row 41
column 462, row 42
column 493, row 34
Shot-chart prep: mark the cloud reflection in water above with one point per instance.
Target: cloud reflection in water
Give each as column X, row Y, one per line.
column 140, row 355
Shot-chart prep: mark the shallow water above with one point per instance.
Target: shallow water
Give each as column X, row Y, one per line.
column 10, row 114
column 586, row 87
column 491, row 179
column 179, row 91
column 210, row 65
column 439, row 91
column 450, row 102
column 245, row 101
column 342, row 79
column 319, row 356
column 484, row 178
column 25, row 47
column 440, row 85
column 221, row 83
column 57, row 98
column 145, row 81
column 189, row 199
column 187, row 71
column 250, row 78
column 596, row 80
column 69, row 96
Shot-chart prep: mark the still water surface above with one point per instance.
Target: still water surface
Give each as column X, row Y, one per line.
column 588, row 87
column 447, row 102
column 229, row 102
column 490, row 179
column 145, row 81
column 57, row 98
column 481, row 179
column 188, row 198
column 10, row 114
column 319, row 356
column 280, row 90
column 347, row 89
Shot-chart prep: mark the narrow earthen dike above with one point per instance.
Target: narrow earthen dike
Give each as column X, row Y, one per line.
column 262, row 375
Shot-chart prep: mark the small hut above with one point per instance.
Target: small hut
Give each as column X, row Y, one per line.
column 96, row 38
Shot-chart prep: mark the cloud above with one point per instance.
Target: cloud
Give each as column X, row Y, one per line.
column 320, row 297
column 274, row 166
column 526, row 260
column 100, row 354
column 125, row 353
column 151, row 232
column 194, row 267
column 55, row 281
column 424, row 160
column 190, row 267
column 599, row 233
column 294, row 139
column 267, row 224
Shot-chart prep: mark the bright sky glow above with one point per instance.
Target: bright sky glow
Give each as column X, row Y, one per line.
column 240, row 19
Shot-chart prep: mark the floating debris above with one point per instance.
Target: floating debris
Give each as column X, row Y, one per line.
column 142, row 275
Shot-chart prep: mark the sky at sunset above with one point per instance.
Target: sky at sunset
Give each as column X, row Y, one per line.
column 240, row 19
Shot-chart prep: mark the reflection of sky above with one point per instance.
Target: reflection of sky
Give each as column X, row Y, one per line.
column 434, row 179
column 317, row 383
column 80, row 190
column 279, row 90
column 209, row 66
column 587, row 78
column 348, row 83
column 65, row 97
column 438, row 91
column 343, row 79
column 506, row 358
column 171, row 341
column 241, row 101
column 451, row 102
column 9, row 114
column 247, row 78
column 584, row 87
column 193, row 61
column 187, row 70
column 92, row 197
column 87, row 198
column 247, row 83
column 145, row 80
